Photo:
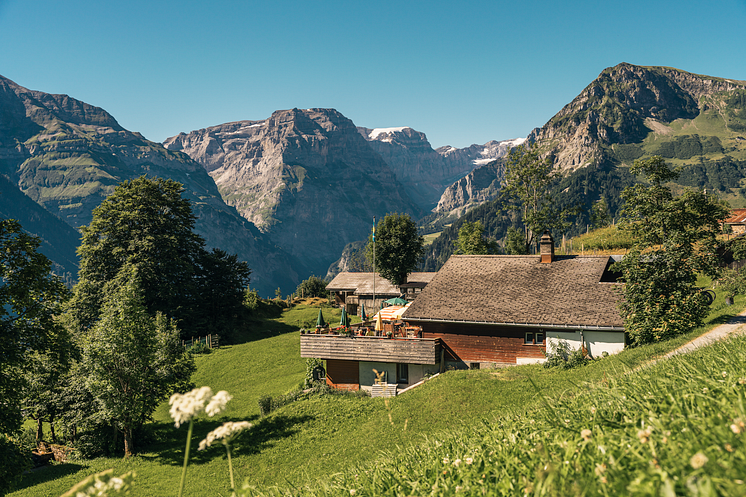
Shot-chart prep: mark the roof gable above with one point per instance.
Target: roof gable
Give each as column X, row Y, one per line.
column 521, row 290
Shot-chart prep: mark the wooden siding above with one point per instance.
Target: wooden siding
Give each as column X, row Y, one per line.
column 343, row 374
column 483, row 343
column 372, row 349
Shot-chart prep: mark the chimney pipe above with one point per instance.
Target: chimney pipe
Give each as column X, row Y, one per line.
column 546, row 248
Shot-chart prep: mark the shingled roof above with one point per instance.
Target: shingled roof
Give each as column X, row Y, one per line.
column 362, row 283
column 507, row 289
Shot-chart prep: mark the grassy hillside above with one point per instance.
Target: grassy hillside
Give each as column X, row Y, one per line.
column 312, row 440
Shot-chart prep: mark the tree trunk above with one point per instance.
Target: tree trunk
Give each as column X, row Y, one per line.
column 39, row 430
column 128, row 445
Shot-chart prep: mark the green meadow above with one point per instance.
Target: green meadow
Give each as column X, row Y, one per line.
column 520, row 428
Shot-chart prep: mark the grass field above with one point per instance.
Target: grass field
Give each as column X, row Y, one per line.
column 306, row 443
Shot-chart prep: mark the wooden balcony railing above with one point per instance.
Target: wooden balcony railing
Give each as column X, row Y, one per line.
column 373, row 349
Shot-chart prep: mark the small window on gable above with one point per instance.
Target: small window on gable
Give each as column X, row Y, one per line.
column 529, row 338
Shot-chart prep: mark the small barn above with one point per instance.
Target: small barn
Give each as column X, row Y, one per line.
column 353, row 290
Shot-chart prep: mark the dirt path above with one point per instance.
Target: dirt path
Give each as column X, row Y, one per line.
column 736, row 325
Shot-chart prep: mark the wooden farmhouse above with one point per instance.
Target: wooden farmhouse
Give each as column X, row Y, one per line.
column 353, row 290
column 486, row 311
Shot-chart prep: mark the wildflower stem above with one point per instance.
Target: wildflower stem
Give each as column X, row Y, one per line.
column 230, row 467
column 186, row 457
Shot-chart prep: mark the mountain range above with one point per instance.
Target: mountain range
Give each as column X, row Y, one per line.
column 288, row 193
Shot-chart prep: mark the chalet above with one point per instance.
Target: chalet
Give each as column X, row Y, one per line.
column 353, row 290
column 486, row 311
column 502, row 309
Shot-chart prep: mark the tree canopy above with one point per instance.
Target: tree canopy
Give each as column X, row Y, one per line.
column 30, row 299
column 675, row 240
column 526, row 190
column 398, row 247
column 147, row 224
column 471, row 240
column 131, row 361
column 312, row 287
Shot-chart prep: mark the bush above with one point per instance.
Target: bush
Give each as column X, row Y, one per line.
column 14, row 460
column 199, row 348
column 564, row 357
column 312, row 287
column 314, row 372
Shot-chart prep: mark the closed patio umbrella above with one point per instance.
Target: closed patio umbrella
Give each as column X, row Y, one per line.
column 343, row 320
column 379, row 322
column 363, row 316
column 320, row 323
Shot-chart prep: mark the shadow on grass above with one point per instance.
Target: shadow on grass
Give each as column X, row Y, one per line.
column 728, row 318
column 172, row 441
column 48, row 473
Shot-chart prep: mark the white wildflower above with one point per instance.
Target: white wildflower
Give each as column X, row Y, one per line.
column 698, row 460
column 457, row 462
column 446, row 460
column 469, row 460
column 226, row 432
column 186, row 406
column 217, row 403
column 586, row 434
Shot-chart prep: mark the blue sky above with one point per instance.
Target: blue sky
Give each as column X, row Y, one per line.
column 461, row 72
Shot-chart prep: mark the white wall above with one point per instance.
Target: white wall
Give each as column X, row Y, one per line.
column 596, row 342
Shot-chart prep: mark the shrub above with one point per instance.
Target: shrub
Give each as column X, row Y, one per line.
column 14, row 460
column 565, row 357
column 199, row 348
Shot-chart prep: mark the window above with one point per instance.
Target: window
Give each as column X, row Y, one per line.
column 474, row 365
column 534, row 338
column 402, row 373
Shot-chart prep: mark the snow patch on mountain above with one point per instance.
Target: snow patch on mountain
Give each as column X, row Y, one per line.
column 375, row 133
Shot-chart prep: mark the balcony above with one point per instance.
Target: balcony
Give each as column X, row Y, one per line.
column 373, row 349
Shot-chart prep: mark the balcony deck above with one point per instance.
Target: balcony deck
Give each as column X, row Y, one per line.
column 373, row 349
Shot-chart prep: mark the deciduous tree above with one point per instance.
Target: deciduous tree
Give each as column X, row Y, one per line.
column 471, row 240
column 526, row 189
column 132, row 361
column 398, row 247
column 675, row 241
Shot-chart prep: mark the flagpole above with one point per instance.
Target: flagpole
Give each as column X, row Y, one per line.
column 374, row 262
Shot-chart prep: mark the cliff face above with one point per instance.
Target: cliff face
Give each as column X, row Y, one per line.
column 622, row 107
column 67, row 156
column 306, row 178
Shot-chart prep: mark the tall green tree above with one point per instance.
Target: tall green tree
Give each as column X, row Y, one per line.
column 132, row 361
column 675, row 241
column 526, row 190
column 471, row 240
column 30, row 299
column 398, row 247
column 147, row 223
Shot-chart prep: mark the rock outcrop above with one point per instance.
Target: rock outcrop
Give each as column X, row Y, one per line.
column 306, row 178
column 622, row 106
column 67, row 156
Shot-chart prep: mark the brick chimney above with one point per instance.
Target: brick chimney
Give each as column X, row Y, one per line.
column 546, row 248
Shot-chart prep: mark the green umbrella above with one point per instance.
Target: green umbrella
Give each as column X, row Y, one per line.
column 396, row 301
column 362, row 314
column 343, row 321
column 320, row 323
